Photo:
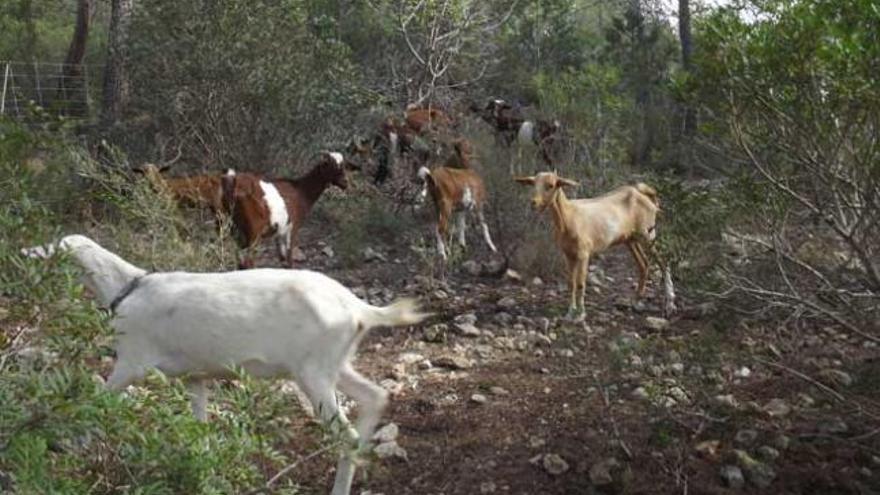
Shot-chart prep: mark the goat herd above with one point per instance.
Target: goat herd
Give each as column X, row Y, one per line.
column 302, row 324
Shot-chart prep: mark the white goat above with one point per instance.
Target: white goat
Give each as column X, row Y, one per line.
column 270, row 322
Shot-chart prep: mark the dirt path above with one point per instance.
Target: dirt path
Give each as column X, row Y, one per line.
column 626, row 408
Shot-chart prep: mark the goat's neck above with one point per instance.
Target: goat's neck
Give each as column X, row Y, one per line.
column 559, row 206
column 106, row 274
column 311, row 186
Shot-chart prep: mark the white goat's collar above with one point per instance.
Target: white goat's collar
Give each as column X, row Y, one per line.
column 125, row 292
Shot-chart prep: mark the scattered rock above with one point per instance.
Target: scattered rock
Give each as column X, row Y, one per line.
column 543, row 323
column 392, row 386
column 781, row 441
column 708, row 448
column 676, row 368
column 448, row 400
column 387, row 433
column 425, row 364
column 479, row 399
column 743, row 372
column 371, row 254
column 554, row 464
column 679, row 395
column 656, row 323
column 805, row 401
column 297, row 254
column 513, row 275
column 494, row 267
column 502, row 318
column 536, row 442
column 390, row 450
column 498, row 391
column 640, row 393
column 732, row 476
column 745, row 437
column 727, row 400
column 777, row 408
column 328, row 252
column 410, row 358
column 470, row 318
column 835, row 377
column 467, row 329
column 537, row 282
column 453, row 362
column 768, row 453
column 472, row 268
column 757, row 473
column 435, row 333
column 506, row 302
column 487, row 487
column 833, row 426
column 601, row 473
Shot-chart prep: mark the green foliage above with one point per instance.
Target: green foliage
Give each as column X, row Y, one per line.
column 252, row 82
column 60, row 431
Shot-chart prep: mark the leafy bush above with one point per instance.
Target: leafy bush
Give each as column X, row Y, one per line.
column 60, row 431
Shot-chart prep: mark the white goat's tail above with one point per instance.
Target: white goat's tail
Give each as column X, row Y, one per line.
column 399, row 313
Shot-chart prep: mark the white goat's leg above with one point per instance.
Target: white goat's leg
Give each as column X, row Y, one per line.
column 486, row 236
column 461, row 227
column 370, row 397
column 198, row 397
column 322, row 395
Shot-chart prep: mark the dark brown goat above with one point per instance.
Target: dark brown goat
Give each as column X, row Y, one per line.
column 511, row 127
column 276, row 208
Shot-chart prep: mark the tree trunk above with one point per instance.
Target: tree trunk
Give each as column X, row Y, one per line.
column 115, row 86
column 72, row 87
column 684, row 33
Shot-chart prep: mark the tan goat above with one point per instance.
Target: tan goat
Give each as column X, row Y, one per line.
column 203, row 191
column 584, row 227
column 459, row 191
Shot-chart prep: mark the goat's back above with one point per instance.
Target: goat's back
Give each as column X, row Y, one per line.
column 614, row 216
column 265, row 320
column 452, row 182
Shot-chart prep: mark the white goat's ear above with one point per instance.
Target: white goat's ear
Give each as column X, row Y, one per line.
column 525, row 180
column 41, row 252
column 566, row 182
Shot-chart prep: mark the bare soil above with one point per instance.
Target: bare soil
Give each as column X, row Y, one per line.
column 571, row 392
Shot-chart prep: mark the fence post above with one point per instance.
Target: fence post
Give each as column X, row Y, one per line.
column 37, row 83
column 3, row 96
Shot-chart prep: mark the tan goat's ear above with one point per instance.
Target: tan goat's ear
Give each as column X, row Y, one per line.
column 525, row 180
column 566, row 182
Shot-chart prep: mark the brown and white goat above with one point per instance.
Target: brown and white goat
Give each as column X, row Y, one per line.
column 277, row 208
column 511, row 127
column 455, row 191
column 204, row 191
column 584, row 227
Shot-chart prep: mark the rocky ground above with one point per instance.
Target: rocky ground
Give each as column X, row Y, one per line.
column 498, row 394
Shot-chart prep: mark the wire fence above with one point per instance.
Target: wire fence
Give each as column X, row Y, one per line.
column 36, row 90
